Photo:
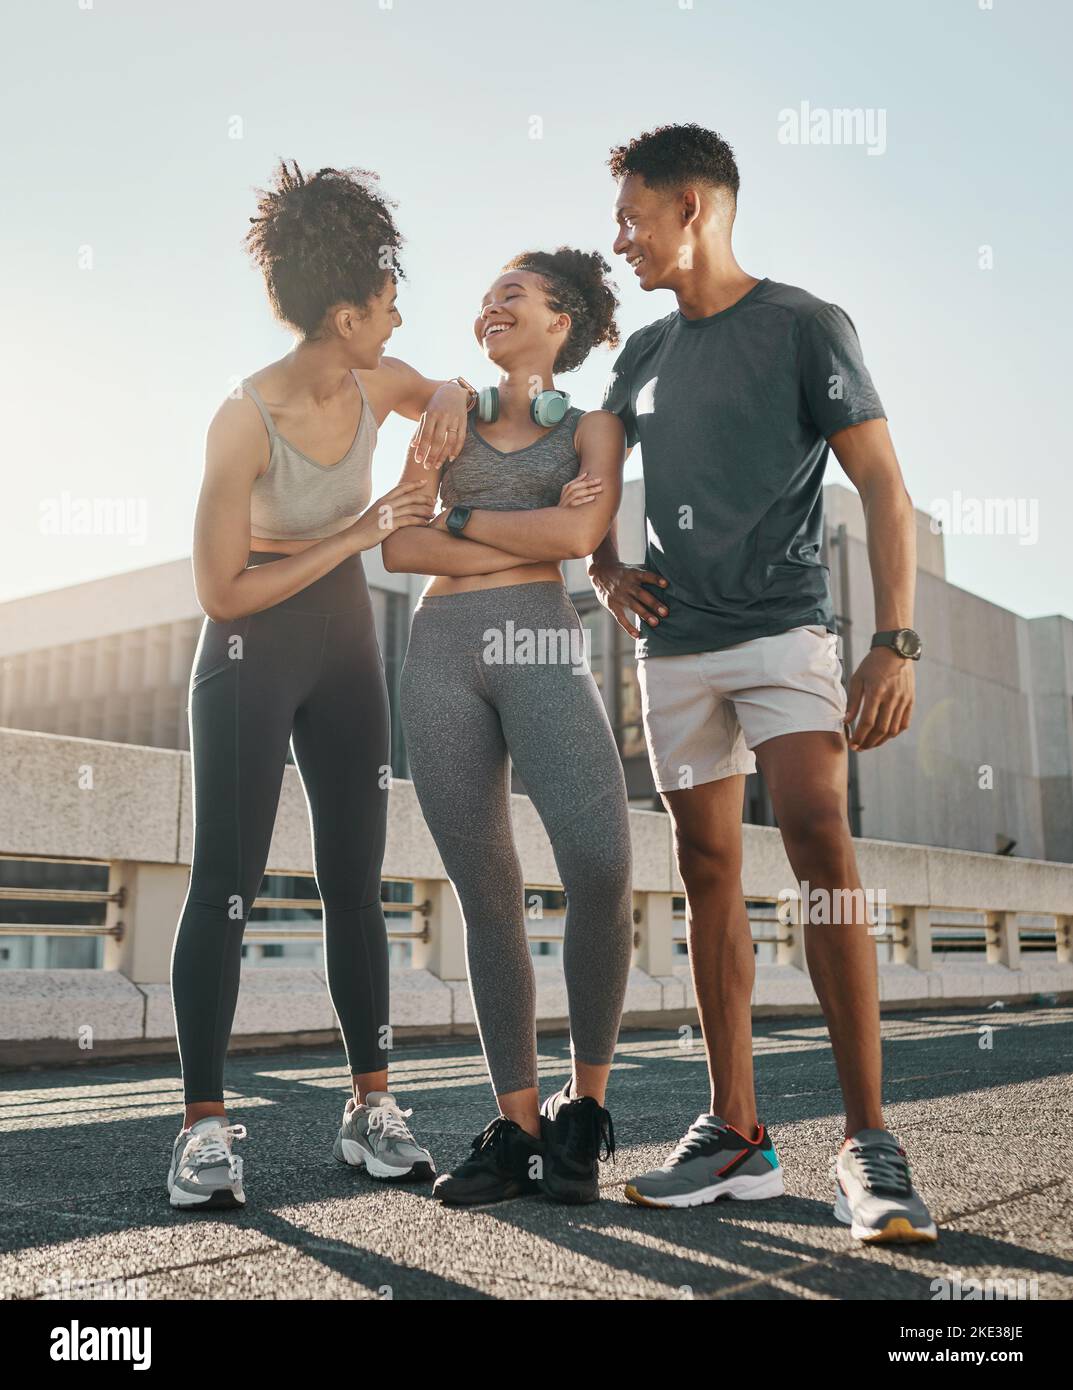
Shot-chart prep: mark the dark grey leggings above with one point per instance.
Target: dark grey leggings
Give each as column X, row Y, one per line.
column 308, row 672
column 468, row 712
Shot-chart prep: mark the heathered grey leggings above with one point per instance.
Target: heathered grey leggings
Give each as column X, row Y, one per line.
column 495, row 676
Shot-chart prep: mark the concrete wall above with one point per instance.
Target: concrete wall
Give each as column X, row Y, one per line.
column 989, row 758
column 989, row 755
column 1051, row 658
column 131, row 807
column 83, row 799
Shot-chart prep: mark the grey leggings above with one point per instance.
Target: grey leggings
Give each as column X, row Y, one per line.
column 471, row 703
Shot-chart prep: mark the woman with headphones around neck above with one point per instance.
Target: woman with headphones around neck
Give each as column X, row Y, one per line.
column 495, row 674
column 288, row 655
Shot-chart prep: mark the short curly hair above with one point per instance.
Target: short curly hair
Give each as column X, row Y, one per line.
column 576, row 283
column 322, row 240
column 674, row 155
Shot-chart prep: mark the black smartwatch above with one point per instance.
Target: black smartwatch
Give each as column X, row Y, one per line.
column 902, row 640
column 457, row 518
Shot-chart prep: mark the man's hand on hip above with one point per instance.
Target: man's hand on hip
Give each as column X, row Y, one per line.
column 621, row 588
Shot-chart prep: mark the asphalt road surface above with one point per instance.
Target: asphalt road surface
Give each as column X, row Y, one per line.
column 84, row 1155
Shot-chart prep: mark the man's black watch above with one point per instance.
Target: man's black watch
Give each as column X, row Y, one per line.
column 902, row 640
column 457, row 518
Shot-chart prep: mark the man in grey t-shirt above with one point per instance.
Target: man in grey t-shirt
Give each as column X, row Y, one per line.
column 735, row 398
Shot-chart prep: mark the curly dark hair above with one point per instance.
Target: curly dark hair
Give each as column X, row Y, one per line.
column 321, row 240
column 576, row 283
column 673, row 155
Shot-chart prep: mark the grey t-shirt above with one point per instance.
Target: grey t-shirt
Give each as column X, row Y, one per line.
column 733, row 413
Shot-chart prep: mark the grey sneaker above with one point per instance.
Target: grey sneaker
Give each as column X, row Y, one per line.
column 376, row 1137
column 875, row 1196
column 204, row 1172
column 713, row 1161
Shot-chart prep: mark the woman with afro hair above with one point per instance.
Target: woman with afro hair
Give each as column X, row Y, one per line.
column 495, row 674
column 288, row 655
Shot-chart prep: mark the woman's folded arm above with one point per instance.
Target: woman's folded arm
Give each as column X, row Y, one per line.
column 565, row 532
column 429, row 550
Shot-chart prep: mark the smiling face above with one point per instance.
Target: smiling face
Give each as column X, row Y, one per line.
column 381, row 319
column 654, row 226
column 516, row 323
column 366, row 331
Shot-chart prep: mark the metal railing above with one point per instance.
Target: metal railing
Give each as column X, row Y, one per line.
column 255, row 931
column 61, row 897
column 262, row 932
column 982, row 937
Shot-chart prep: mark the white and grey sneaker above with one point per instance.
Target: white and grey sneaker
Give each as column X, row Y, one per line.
column 376, row 1137
column 874, row 1195
column 204, row 1172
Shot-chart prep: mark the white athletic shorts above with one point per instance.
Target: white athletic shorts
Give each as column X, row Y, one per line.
column 705, row 712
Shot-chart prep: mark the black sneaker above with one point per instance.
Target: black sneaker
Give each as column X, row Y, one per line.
column 501, row 1166
column 577, row 1133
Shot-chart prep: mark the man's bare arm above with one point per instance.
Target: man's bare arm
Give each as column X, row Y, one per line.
column 882, row 689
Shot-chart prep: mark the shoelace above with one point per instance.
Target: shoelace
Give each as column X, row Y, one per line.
column 588, row 1127
column 493, row 1135
column 885, row 1169
column 210, row 1147
column 694, row 1138
column 391, row 1121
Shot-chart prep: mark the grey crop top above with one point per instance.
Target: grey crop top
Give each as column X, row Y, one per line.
column 522, row 480
column 296, row 498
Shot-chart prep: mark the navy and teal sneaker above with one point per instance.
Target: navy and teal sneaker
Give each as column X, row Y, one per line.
column 713, row 1162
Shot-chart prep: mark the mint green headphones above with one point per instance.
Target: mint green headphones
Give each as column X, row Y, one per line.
column 546, row 409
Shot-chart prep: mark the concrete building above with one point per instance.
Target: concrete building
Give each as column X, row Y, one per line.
column 987, row 764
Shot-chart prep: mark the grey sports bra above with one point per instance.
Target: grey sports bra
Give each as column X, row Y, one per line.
column 296, row 498
column 521, row 480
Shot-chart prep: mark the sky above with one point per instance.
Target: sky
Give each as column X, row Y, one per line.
column 136, row 134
